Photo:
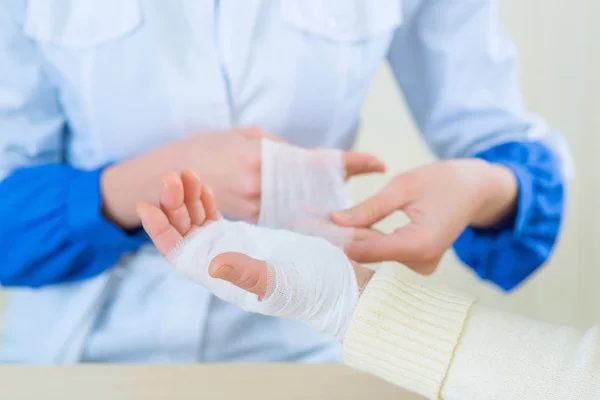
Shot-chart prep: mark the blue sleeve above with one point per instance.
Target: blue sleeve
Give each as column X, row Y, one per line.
column 459, row 72
column 53, row 230
column 51, row 226
column 510, row 252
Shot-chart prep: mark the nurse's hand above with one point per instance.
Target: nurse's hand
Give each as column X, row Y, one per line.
column 441, row 200
column 187, row 205
column 228, row 161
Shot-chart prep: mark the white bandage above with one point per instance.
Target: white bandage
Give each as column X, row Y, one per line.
column 308, row 278
column 301, row 188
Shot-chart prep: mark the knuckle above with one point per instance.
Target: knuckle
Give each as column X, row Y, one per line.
column 252, row 211
column 369, row 213
column 249, row 281
column 254, row 163
column 252, row 188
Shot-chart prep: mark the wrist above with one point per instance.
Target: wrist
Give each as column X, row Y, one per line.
column 112, row 178
column 125, row 184
column 405, row 332
column 499, row 193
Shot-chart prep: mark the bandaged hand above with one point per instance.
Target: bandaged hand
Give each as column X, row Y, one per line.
column 268, row 271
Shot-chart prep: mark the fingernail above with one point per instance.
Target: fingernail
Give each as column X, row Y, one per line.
column 223, row 272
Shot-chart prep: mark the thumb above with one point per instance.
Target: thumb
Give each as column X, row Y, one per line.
column 243, row 271
column 357, row 163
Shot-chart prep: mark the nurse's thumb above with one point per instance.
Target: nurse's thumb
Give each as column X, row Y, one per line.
column 241, row 270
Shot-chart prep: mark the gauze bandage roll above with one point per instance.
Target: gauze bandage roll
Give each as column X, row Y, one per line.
column 309, row 279
column 301, row 188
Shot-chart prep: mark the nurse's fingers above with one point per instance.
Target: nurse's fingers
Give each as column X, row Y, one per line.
column 243, row 271
column 163, row 234
column 366, row 234
column 410, row 245
column 357, row 163
column 172, row 203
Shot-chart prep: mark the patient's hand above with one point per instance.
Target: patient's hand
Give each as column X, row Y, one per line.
column 187, row 205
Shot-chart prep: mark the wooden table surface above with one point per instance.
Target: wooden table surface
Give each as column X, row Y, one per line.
column 198, row 382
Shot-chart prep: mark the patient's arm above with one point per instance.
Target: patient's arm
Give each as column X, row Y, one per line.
column 187, row 205
column 428, row 340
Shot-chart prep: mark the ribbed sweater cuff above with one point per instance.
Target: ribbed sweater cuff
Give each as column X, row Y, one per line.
column 405, row 333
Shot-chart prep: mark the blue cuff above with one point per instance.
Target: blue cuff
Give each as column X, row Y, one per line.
column 53, row 230
column 511, row 251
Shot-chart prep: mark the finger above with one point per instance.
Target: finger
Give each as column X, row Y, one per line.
column 406, row 246
column 241, row 270
column 164, row 235
column 366, row 234
column 192, row 188
column 370, row 211
column 172, row 203
column 361, row 163
column 210, row 204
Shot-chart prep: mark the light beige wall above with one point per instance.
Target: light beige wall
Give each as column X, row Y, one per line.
column 560, row 52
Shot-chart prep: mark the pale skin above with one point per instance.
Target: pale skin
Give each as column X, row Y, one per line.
column 186, row 205
column 228, row 161
column 441, row 200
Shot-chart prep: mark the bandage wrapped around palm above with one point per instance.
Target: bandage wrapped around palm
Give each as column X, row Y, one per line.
column 264, row 269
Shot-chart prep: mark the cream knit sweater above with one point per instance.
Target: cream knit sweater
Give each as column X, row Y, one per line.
column 443, row 346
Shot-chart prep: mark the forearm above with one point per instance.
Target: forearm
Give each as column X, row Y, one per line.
column 405, row 333
column 440, row 345
column 507, row 356
column 125, row 184
column 506, row 252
